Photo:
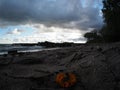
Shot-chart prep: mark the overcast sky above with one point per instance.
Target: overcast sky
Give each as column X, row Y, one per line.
column 30, row 21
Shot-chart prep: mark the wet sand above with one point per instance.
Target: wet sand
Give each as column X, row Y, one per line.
column 96, row 66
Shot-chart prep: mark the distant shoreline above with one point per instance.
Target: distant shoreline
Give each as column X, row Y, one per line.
column 34, row 47
column 27, row 51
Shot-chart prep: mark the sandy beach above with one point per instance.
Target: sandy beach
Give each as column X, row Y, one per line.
column 96, row 66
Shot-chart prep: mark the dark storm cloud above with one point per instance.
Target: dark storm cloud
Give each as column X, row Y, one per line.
column 50, row 12
column 37, row 10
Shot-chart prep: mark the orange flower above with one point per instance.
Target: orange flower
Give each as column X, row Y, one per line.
column 60, row 77
column 66, row 79
column 66, row 84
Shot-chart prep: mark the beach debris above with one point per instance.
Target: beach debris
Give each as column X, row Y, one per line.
column 66, row 80
column 92, row 48
column 99, row 48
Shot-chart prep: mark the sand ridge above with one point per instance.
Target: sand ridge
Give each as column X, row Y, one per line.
column 97, row 67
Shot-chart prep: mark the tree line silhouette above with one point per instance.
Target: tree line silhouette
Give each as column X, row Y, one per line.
column 110, row 32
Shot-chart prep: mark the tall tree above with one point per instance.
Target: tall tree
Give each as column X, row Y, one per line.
column 111, row 30
column 93, row 37
column 111, row 15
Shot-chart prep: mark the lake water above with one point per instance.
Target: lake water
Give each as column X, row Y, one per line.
column 5, row 48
